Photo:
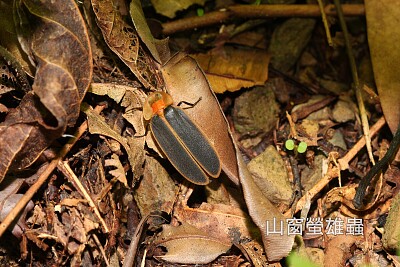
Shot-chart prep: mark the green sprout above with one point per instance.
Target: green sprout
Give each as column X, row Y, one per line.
column 302, row 147
column 200, row 12
column 289, row 144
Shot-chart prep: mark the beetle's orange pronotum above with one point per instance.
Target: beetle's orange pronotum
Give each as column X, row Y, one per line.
column 181, row 140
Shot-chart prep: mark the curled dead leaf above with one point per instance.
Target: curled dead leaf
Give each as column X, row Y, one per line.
column 61, row 48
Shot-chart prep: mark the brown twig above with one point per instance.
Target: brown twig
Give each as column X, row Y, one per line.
column 131, row 253
column 356, row 82
column 260, row 11
column 66, row 169
column 333, row 172
column 344, row 162
column 325, row 22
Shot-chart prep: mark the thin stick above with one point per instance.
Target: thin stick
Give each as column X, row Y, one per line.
column 325, row 22
column 101, row 248
column 356, row 82
column 332, row 173
column 131, row 253
column 260, row 11
column 64, row 166
column 344, row 162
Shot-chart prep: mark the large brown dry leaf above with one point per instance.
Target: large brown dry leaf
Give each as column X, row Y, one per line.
column 168, row 8
column 185, row 81
column 384, row 39
column 189, row 245
column 232, row 68
column 262, row 211
column 61, row 48
column 124, row 41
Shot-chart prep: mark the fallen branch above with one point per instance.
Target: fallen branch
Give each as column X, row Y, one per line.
column 253, row 12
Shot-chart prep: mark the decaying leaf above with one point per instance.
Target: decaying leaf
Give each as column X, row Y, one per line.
column 232, row 68
column 128, row 97
column 188, row 245
column 115, row 91
column 338, row 249
column 255, row 252
column 133, row 146
column 288, row 42
column 269, row 173
column 227, row 223
column 64, row 68
column 391, row 236
column 248, row 119
column 124, row 41
column 156, row 190
column 133, row 101
column 383, row 32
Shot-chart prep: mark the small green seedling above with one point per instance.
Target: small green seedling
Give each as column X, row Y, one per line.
column 300, row 148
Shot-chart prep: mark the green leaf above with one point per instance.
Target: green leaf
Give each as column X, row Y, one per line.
column 302, row 147
column 289, row 144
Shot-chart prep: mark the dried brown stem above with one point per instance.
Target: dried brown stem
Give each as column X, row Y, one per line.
column 66, row 169
column 344, row 162
column 260, row 11
column 332, row 173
